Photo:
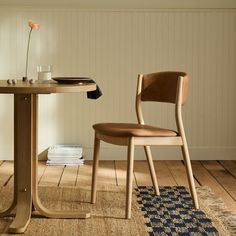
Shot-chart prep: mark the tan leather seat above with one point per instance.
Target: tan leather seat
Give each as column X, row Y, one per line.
column 132, row 130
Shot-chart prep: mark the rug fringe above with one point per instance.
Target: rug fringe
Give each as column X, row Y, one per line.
column 215, row 207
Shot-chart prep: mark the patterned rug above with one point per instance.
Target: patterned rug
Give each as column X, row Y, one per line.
column 172, row 213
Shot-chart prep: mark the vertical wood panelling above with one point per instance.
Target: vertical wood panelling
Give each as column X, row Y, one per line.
column 113, row 47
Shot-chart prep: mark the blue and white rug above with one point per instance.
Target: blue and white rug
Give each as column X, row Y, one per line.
column 172, row 213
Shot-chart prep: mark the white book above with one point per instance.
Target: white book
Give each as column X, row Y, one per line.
column 66, row 161
column 64, row 158
column 65, row 149
column 65, row 152
column 64, row 155
column 63, row 164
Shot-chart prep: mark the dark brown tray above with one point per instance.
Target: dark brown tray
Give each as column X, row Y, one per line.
column 71, row 80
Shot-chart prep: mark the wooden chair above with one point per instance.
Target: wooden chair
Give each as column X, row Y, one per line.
column 169, row 87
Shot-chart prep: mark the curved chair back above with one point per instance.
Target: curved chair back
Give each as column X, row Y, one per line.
column 163, row 87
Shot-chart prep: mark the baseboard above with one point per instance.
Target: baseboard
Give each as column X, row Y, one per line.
column 159, row 153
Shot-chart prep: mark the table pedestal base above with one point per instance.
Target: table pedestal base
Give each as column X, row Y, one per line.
column 26, row 166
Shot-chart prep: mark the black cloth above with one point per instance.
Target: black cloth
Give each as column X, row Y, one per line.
column 95, row 94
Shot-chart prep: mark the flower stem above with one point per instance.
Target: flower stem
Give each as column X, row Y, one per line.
column 27, row 54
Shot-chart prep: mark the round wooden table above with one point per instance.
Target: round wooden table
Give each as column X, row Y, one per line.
column 25, row 150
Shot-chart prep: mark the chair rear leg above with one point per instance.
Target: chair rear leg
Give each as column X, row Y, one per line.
column 152, row 169
column 130, row 167
column 95, row 168
column 190, row 175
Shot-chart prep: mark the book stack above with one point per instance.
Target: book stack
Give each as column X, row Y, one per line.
column 65, row 155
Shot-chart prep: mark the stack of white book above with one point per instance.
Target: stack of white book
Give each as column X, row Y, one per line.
column 65, row 155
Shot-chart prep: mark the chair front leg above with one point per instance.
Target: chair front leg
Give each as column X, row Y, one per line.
column 95, row 168
column 152, row 169
column 190, row 174
column 130, row 167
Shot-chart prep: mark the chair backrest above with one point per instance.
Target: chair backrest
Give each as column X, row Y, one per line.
column 163, row 87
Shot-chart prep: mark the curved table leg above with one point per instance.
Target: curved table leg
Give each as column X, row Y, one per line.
column 36, row 201
column 23, row 213
column 58, row 214
column 51, row 213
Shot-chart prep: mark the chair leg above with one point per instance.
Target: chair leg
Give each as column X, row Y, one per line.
column 95, row 168
column 130, row 167
column 152, row 169
column 190, row 175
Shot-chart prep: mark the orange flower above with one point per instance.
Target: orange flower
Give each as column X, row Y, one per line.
column 33, row 25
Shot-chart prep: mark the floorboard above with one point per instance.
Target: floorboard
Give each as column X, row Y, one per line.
column 106, row 173
column 230, row 166
column 52, row 176
column 84, row 177
column 164, row 175
column 178, row 171
column 222, row 176
column 142, row 174
column 206, row 179
column 69, row 176
column 41, row 169
column 120, row 168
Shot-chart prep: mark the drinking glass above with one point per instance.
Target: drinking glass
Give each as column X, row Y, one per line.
column 44, row 72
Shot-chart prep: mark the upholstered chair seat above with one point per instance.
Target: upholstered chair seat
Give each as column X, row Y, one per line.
column 131, row 129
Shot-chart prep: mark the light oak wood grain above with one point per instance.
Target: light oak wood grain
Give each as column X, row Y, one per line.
column 230, row 166
column 205, row 178
column 142, row 174
column 41, row 169
column 164, row 175
column 222, row 176
column 121, row 168
column 84, row 177
column 69, row 176
column 106, row 173
column 44, row 87
column 52, row 176
column 177, row 170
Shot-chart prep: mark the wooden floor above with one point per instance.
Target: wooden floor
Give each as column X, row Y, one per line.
column 220, row 176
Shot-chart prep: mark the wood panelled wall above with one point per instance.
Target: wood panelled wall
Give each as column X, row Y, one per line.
column 112, row 47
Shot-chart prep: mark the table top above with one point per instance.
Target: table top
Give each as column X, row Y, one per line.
column 44, row 87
